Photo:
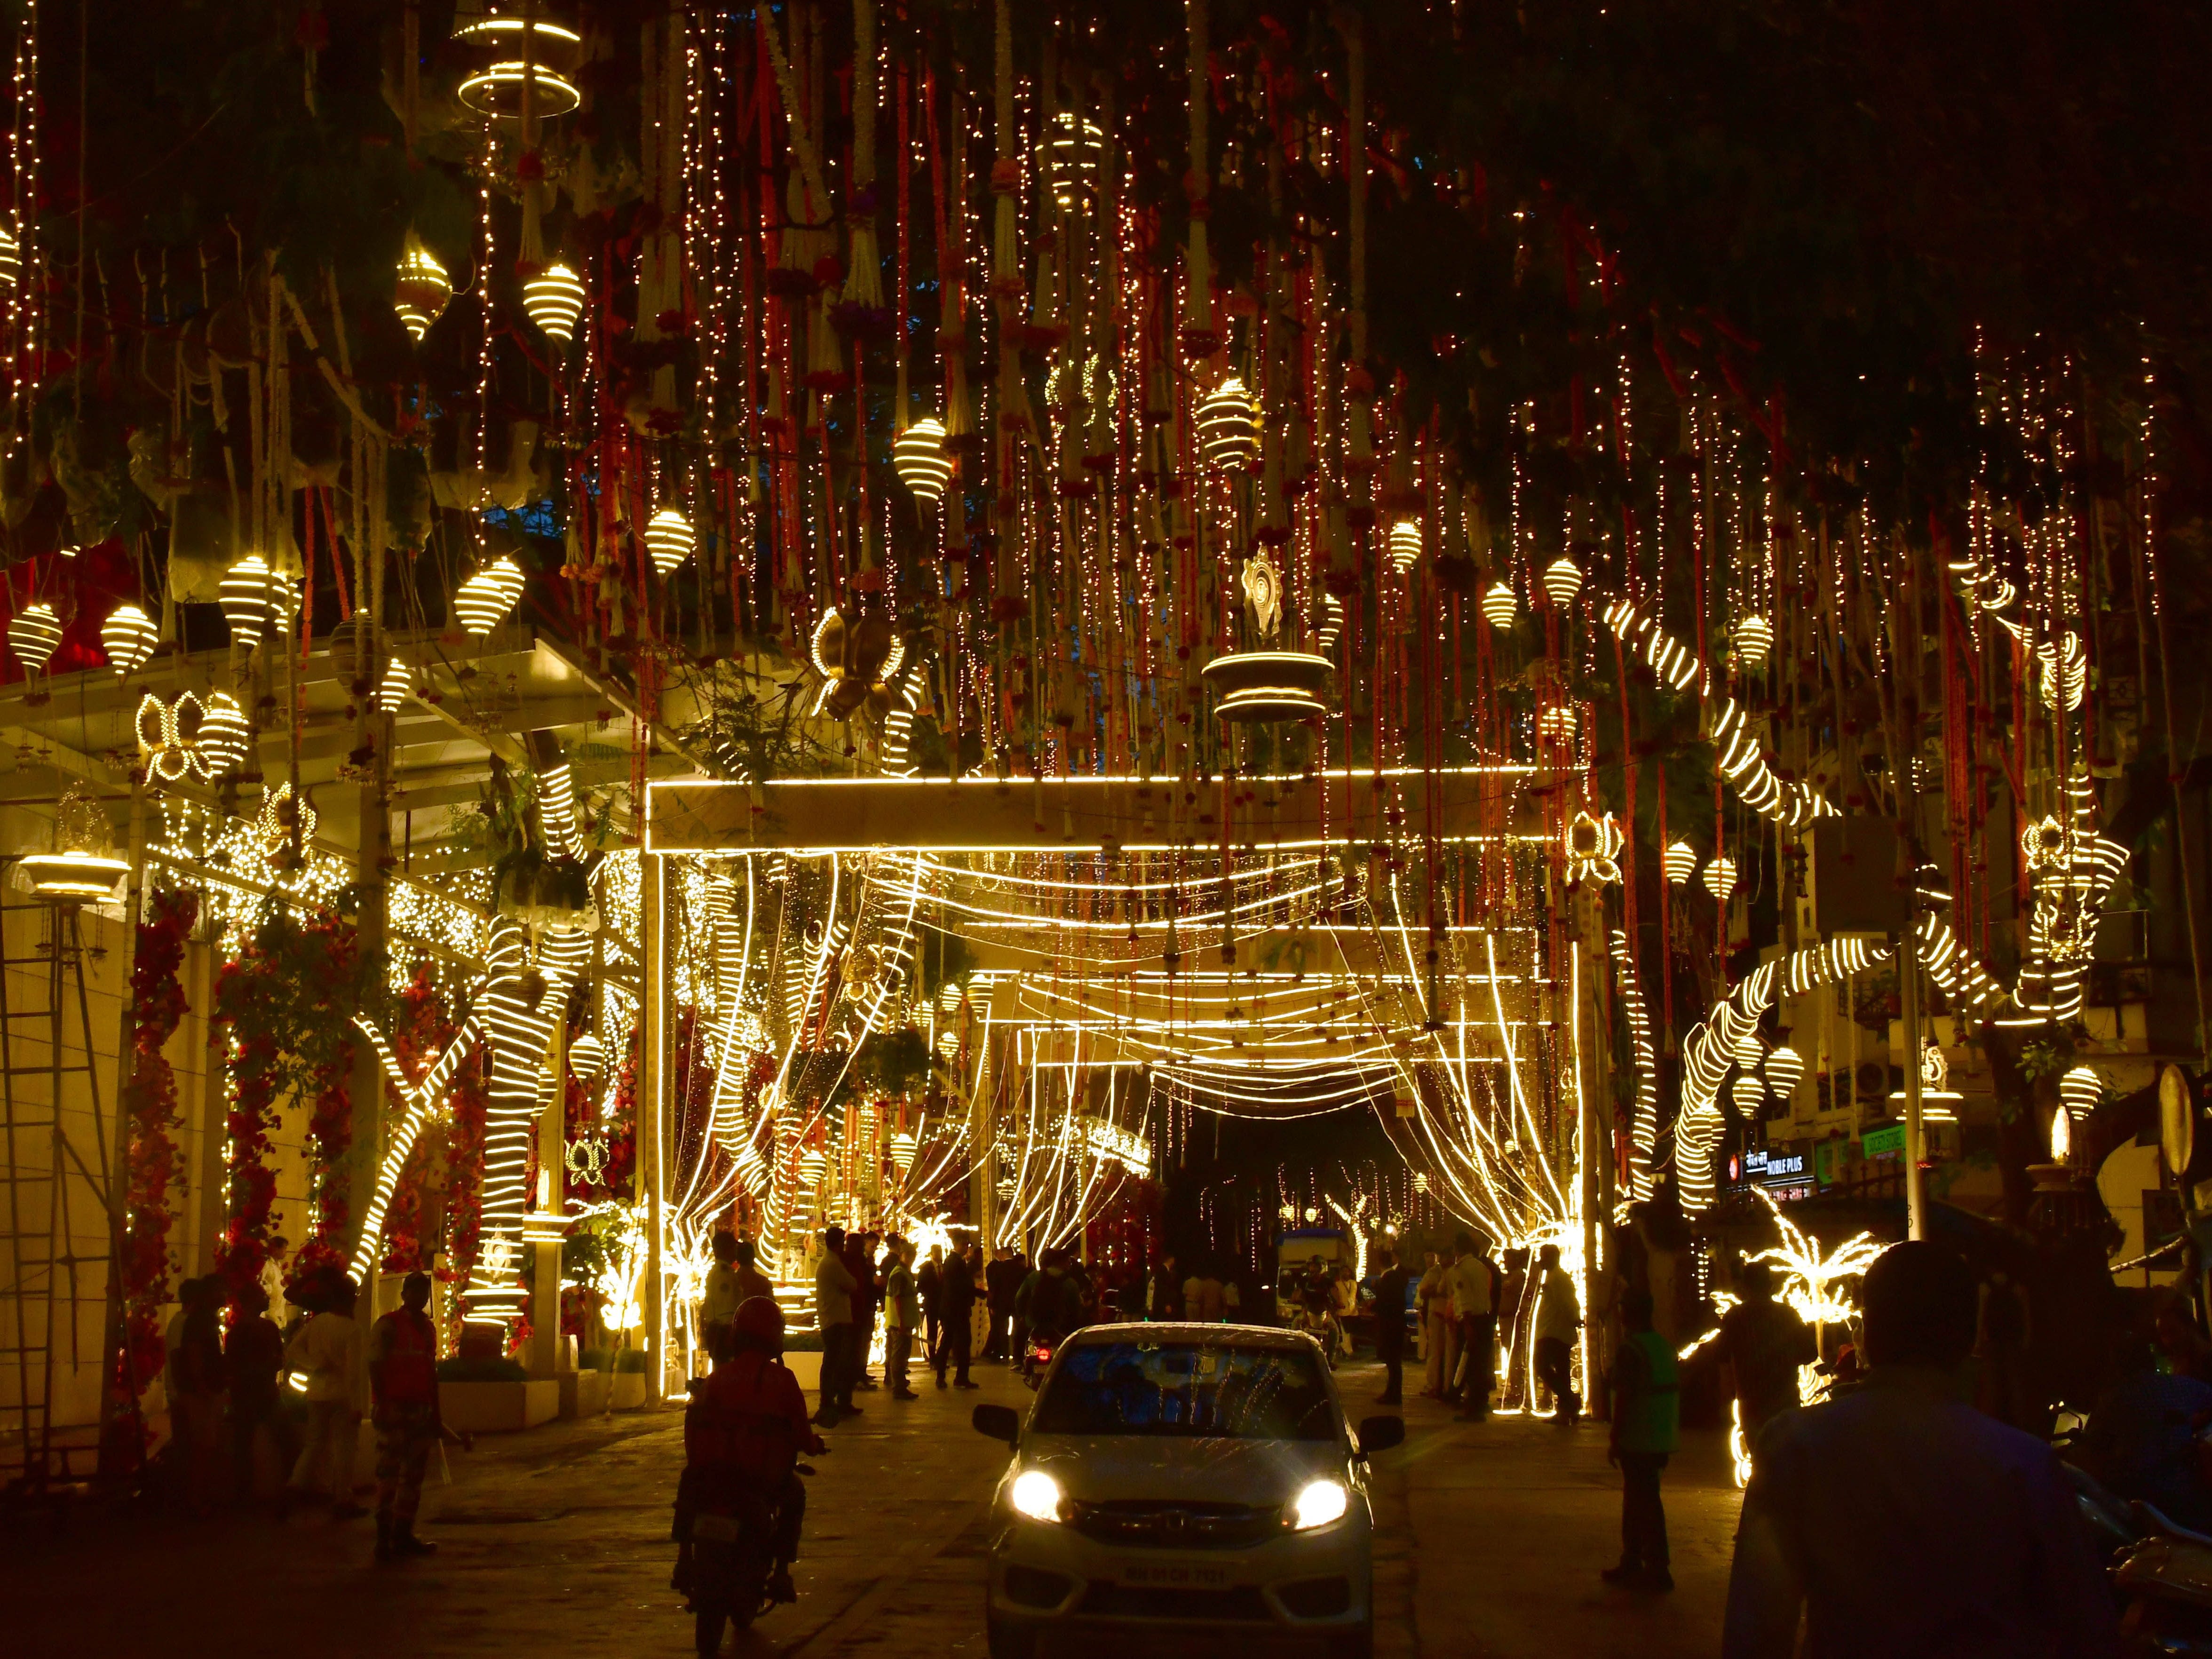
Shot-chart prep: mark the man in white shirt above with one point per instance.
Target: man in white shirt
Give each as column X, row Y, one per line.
column 1558, row 1316
column 1471, row 1283
column 327, row 1349
column 834, row 1285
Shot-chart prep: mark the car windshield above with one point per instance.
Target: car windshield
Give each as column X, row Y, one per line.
column 1196, row 1388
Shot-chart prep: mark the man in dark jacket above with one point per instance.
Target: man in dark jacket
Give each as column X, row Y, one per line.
column 956, row 1295
column 1001, row 1280
column 929, row 1281
column 250, row 1360
column 1390, row 1328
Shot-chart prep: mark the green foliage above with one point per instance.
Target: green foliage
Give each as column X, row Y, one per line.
column 757, row 730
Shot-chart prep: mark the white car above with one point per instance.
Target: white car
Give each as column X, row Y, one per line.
column 1187, row 1481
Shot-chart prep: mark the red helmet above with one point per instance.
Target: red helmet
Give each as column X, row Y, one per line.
column 759, row 1323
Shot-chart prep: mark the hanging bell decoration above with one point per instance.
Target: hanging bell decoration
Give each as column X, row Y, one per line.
column 587, row 1058
column 1229, row 426
column 1499, row 607
column 1784, row 1067
column 670, row 539
column 245, row 594
column 224, row 737
column 424, row 289
column 918, row 457
column 34, row 632
column 1720, row 879
column 1405, row 545
column 1749, row 1093
column 391, row 692
column 1563, row 579
column 554, row 299
column 129, row 637
column 1679, row 862
column 482, row 602
column 1754, row 640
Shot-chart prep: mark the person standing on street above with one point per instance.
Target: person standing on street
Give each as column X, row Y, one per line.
column 1390, row 1328
column 929, row 1284
column 1472, row 1284
column 1163, row 1290
column 1903, row 1469
column 901, row 1314
column 860, row 1252
column 328, row 1350
column 752, row 1281
column 1558, row 1316
column 403, row 1380
column 1646, row 1429
column 1000, row 1281
column 196, row 1383
column 956, row 1293
column 833, row 1315
column 1432, row 1308
column 718, row 1305
column 250, row 1360
column 1763, row 1342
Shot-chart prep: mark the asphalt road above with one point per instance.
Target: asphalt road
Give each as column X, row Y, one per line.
column 555, row 1542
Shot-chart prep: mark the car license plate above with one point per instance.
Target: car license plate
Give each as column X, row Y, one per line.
column 1177, row 1575
column 715, row 1528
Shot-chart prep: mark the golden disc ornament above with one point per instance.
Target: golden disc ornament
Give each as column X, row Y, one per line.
column 129, row 637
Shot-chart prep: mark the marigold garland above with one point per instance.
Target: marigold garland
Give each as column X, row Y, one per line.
column 152, row 1160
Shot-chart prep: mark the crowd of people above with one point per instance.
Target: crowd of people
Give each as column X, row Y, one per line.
column 298, row 1393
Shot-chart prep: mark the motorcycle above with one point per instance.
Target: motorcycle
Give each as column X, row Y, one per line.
column 1037, row 1355
column 2160, row 1571
column 733, row 1569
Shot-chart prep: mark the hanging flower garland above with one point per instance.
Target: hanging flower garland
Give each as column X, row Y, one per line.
column 622, row 1132
column 152, row 1160
column 328, row 1081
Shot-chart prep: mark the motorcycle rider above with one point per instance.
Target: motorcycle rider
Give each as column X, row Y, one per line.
column 743, row 1432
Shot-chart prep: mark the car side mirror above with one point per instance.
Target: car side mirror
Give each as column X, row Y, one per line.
column 1376, row 1433
column 1005, row 1423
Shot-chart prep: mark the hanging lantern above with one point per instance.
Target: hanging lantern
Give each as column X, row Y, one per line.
column 1563, row 579
column 11, row 260
column 129, row 637
column 903, row 1151
column 81, row 866
column 587, row 1058
column 1405, row 545
column 392, row 692
column 669, row 538
column 245, row 594
column 812, row 1165
column 423, row 291
column 1229, row 426
column 34, row 632
column 1749, row 1094
column 482, row 602
column 949, row 999
column 1679, row 862
column 1748, row 1050
column 2080, row 1090
column 1075, row 157
column 919, row 458
column 1499, row 607
column 1557, row 723
column 1720, row 879
column 224, row 737
column 1784, row 1067
column 1754, row 640
column 554, row 299
column 1332, row 622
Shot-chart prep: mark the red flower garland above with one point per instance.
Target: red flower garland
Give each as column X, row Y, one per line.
column 151, row 1158
column 330, row 1080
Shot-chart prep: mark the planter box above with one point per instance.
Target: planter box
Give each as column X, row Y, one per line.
column 628, row 1391
column 493, row 1408
column 583, row 1394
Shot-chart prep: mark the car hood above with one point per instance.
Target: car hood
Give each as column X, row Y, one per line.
column 1101, row 1468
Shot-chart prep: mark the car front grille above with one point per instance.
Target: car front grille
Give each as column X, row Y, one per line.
column 1144, row 1523
column 1242, row 1604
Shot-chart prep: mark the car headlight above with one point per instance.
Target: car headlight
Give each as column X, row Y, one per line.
column 1036, row 1495
column 1321, row 1503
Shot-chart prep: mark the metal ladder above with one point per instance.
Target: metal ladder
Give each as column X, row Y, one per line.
column 49, row 1177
